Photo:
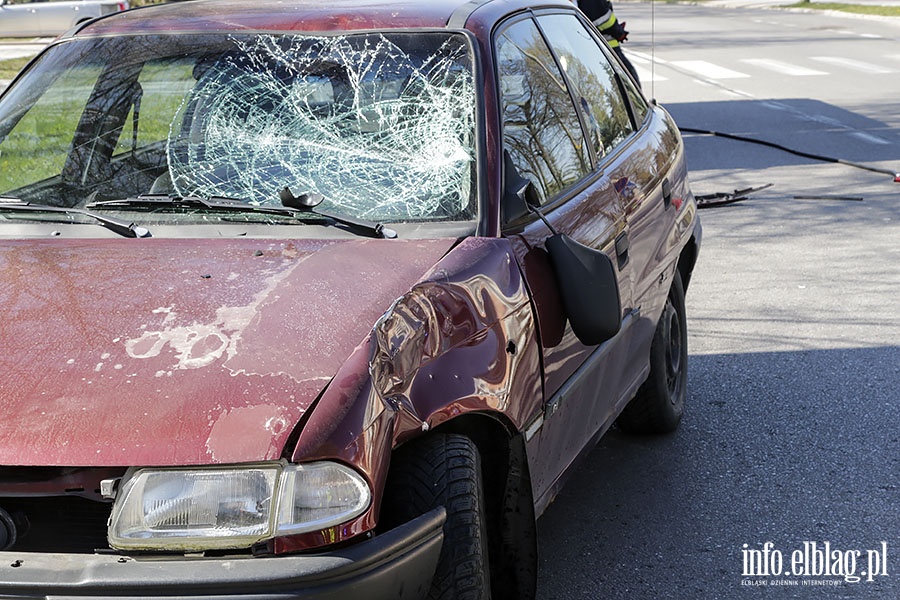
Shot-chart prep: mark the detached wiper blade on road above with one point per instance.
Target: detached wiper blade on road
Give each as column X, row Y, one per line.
column 123, row 228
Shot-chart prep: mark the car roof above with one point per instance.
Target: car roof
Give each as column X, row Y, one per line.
column 297, row 15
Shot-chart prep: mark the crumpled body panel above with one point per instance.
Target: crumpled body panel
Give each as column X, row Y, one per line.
column 460, row 341
column 470, row 323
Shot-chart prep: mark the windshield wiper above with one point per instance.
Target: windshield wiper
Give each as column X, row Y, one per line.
column 170, row 201
column 291, row 206
column 123, row 228
column 307, row 203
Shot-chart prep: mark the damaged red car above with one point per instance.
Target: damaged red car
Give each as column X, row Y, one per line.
column 325, row 299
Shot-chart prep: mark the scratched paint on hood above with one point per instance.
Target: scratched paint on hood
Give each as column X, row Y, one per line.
column 178, row 351
column 200, row 344
column 239, row 431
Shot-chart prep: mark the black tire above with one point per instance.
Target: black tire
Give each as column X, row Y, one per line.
column 444, row 470
column 659, row 403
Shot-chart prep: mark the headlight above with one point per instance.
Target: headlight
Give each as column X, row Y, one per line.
column 207, row 508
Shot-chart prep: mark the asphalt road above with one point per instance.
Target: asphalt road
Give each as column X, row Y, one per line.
column 792, row 430
column 791, row 434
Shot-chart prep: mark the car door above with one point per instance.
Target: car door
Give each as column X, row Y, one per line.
column 552, row 137
column 637, row 148
column 19, row 19
column 651, row 181
column 57, row 16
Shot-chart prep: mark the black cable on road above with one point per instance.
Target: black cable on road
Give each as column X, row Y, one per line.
column 818, row 157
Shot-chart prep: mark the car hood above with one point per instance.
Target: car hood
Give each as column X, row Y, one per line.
column 177, row 352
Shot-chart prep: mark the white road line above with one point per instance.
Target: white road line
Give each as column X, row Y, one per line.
column 645, row 58
column 637, row 57
column 856, row 65
column 649, row 75
column 868, row 137
column 782, row 67
column 644, row 66
column 708, row 69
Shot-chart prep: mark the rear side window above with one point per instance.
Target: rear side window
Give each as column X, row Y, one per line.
column 541, row 129
column 592, row 79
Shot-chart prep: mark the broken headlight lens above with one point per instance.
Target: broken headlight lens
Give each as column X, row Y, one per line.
column 209, row 508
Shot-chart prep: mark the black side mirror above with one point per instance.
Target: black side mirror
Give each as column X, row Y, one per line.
column 589, row 289
column 585, row 276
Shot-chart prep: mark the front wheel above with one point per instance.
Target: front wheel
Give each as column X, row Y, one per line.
column 444, row 470
column 659, row 403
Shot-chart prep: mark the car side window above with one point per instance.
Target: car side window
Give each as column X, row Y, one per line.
column 592, row 79
column 541, row 129
column 37, row 146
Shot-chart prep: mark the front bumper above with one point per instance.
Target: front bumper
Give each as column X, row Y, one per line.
column 397, row 564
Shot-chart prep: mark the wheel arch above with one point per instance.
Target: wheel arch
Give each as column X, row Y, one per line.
column 687, row 259
column 508, row 497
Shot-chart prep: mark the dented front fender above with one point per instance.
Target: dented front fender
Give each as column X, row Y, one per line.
column 460, row 341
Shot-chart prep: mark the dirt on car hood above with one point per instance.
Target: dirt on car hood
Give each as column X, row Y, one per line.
column 177, row 352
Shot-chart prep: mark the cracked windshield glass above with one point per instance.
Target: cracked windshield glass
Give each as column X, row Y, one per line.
column 381, row 125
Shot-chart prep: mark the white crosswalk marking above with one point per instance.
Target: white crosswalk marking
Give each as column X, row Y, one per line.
column 645, row 69
column 649, row 75
column 712, row 71
column 637, row 57
column 849, row 63
column 782, row 67
column 708, row 69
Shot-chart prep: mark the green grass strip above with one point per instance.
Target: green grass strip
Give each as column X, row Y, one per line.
column 862, row 9
column 10, row 68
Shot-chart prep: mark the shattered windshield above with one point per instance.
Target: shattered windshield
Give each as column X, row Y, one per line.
column 380, row 124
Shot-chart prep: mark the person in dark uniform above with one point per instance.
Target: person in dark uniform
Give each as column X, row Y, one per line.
column 603, row 17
